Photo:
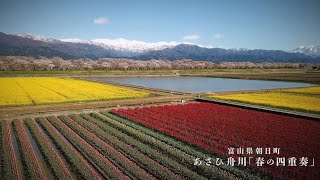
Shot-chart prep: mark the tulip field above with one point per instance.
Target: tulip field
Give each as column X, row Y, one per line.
column 98, row 146
column 48, row 90
column 272, row 145
column 196, row 140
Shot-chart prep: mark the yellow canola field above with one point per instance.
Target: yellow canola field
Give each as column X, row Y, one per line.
column 42, row 90
column 308, row 90
column 305, row 99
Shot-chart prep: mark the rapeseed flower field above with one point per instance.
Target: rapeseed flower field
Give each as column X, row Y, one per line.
column 308, row 91
column 305, row 99
column 47, row 90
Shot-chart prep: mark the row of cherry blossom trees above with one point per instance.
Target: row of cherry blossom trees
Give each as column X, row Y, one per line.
column 16, row 63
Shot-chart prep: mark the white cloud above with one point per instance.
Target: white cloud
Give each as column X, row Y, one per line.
column 217, row 36
column 101, row 20
column 191, row 37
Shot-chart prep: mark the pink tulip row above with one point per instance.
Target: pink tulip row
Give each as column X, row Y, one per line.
column 83, row 168
column 55, row 162
column 10, row 167
column 88, row 150
column 30, row 159
column 107, row 149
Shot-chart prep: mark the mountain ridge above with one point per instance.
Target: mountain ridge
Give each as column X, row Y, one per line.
column 313, row 50
column 35, row 46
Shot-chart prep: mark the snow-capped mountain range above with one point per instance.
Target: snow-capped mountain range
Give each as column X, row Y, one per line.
column 313, row 50
column 34, row 45
column 121, row 44
column 137, row 47
column 36, row 37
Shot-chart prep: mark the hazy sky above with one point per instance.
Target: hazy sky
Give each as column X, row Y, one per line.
column 254, row 24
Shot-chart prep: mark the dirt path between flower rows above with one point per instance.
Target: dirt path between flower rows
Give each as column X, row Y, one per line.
column 43, row 110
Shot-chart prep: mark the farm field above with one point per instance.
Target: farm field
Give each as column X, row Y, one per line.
column 99, row 146
column 301, row 99
column 272, row 145
column 45, row 90
column 170, row 141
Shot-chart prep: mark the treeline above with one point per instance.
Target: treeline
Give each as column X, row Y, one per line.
column 18, row 63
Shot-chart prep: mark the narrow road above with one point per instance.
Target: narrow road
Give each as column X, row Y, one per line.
column 27, row 111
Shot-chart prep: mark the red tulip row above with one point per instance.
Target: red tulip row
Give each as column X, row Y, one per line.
column 181, row 132
column 212, row 133
column 169, row 119
column 242, row 134
column 217, row 127
column 238, row 124
column 55, row 162
column 10, row 167
column 83, row 169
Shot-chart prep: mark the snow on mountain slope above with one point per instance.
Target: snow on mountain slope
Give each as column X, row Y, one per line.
column 121, row 44
column 35, row 46
column 36, row 37
column 133, row 47
column 313, row 50
column 127, row 47
column 74, row 40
